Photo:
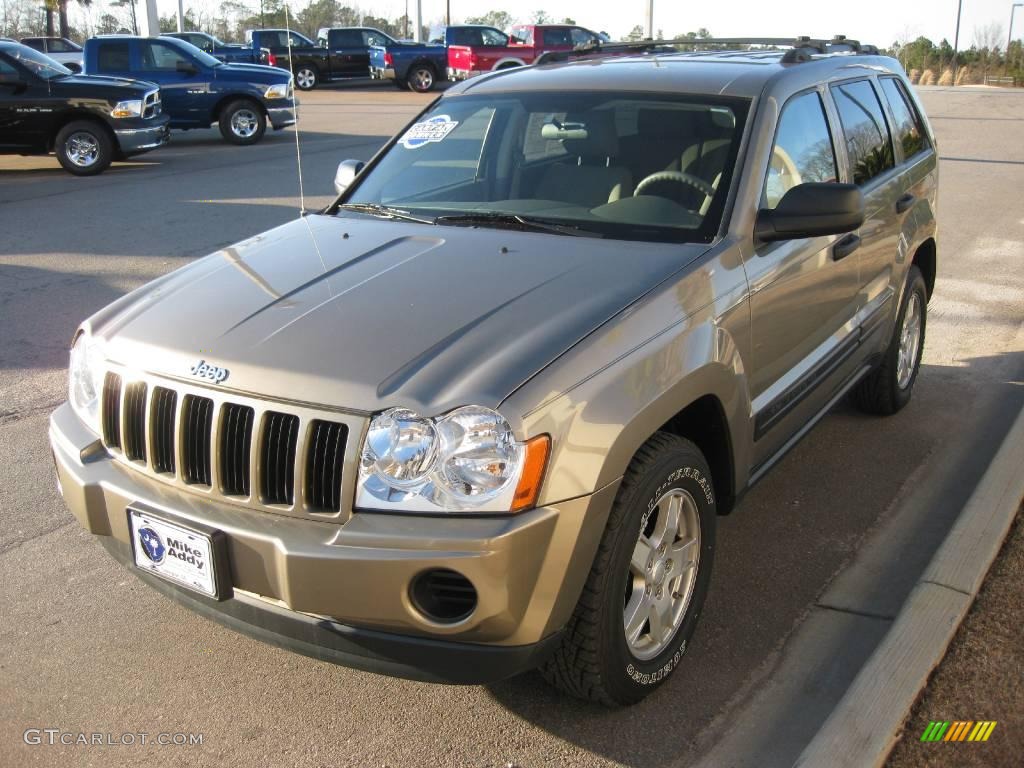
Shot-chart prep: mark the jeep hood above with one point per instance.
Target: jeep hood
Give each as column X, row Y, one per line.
column 365, row 314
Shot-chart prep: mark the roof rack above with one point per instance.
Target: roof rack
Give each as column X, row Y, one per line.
column 800, row 48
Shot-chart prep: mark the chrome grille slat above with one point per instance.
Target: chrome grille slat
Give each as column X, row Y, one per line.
column 161, row 430
column 112, row 410
column 289, row 458
column 135, row 421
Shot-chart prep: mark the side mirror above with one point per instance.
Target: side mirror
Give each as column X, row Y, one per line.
column 185, row 67
column 347, row 170
column 812, row 210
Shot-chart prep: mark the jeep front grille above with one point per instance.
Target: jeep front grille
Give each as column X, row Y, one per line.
column 288, row 458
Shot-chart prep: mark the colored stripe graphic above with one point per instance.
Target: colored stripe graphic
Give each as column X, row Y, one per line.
column 958, row 730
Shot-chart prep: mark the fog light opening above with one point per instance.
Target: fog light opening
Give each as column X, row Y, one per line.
column 443, row 596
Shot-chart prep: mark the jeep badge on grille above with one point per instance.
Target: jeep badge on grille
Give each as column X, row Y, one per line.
column 204, row 370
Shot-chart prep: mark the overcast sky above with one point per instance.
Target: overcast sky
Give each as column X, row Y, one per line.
column 875, row 21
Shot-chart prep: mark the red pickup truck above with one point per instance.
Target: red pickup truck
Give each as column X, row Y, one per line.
column 526, row 43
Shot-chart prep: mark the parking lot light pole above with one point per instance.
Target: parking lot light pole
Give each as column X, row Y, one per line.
column 181, row 15
column 1009, row 35
column 956, row 39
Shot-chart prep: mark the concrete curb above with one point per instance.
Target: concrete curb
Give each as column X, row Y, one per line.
column 863, row 727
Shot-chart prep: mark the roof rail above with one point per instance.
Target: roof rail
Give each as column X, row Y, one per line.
column 800, row 48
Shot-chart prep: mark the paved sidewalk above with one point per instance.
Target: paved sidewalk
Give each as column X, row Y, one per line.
column 981, row 677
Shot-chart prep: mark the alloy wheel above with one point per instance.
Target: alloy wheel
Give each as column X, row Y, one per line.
column 910, row 341
column 82, row 149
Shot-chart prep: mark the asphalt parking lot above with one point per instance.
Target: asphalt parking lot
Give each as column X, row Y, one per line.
column 89, row 648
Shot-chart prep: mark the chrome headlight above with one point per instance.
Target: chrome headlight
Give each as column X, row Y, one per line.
column 466, row 460
column 132, row 108
column 85, row 380
column 279, row 91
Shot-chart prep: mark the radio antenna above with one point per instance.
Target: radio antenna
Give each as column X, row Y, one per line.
column 295, row 109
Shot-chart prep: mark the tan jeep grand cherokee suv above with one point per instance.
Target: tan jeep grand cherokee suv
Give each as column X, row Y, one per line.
column 481, row 413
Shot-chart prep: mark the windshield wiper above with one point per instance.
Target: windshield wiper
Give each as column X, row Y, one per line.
column 385, row 212
column 514, row 221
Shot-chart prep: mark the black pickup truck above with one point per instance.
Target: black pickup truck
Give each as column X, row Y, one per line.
column 86, row 121
column 341, row 53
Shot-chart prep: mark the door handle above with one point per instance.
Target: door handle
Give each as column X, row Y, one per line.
column 904, row 203
column 845, row 247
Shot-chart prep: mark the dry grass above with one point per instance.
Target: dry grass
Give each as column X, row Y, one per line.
column 927, row 77
column 915, row 76
column 980, row 678
column 946, row 78
column 964, row 76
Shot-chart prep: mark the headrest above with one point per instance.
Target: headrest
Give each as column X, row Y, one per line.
column 676, row 124
column 602, row 140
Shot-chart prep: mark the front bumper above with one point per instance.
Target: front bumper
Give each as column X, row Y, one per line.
column 341, row 592
column 142, row 137
column 281, row 117
column 382, row 73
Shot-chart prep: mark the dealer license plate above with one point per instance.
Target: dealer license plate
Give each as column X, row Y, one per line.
column 173, row 552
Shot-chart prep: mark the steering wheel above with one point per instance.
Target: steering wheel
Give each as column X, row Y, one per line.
column 680, row 178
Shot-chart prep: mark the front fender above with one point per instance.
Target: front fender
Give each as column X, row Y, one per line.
column 607, row 395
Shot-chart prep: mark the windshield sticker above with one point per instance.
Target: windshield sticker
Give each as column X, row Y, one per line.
column 429, row 131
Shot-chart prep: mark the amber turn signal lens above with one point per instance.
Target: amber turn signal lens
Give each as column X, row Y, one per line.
column 536, row 462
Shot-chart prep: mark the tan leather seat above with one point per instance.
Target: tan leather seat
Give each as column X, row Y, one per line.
column 589, row 176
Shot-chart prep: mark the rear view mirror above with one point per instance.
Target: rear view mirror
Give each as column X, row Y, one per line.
column 347, row 171
column 812, row 210
column 556, row 131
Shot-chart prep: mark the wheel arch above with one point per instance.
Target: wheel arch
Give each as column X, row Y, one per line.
column 76, row 115
column 222, row 103
column 926, row 260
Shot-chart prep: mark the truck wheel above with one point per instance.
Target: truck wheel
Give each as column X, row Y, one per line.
column 84, row 148
column 647, row 585
column 888, row 388
column 421, row 78
column 306, row 78
column 242, row 122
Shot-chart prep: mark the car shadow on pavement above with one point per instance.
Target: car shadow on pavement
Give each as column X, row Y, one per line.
column 767, row 581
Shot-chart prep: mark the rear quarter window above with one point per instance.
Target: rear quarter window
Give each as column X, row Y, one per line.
column 112, row 57
column 868, row 143
column 907, row 128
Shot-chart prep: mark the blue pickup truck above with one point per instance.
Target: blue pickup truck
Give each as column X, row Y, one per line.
column 419, row 66
column 198, row 90
column 230, row 53
column 416, row 66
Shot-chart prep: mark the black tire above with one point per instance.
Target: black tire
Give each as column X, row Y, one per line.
column 593, row 660
column 243, row 122
column 421, row 78
column 307, row 77
column 84, row 148
column 880, row 392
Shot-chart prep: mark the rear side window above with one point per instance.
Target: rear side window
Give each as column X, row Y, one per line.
column 867, row 135
column 112, row 57
column 340, row 38
column 35, row 44
column 803, row 150
column 557, row 36
column 909, row 132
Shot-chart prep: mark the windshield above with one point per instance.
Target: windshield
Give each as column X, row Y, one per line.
column 38, row 64
column 630, row 166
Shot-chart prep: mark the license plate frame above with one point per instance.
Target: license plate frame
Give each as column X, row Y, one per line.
column 176, row 549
